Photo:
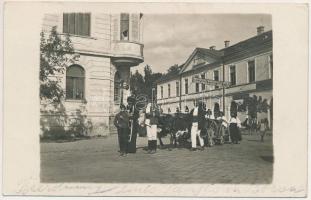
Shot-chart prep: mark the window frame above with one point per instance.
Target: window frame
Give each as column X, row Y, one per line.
column 121, row 24
column 186, row 86
column 230, row 75
column 177, row 88
column 161, row 90
column 74, row 84
column 216, row 70
column 203, row 76
column 248, row 77
column 75, row 33
column 168, row 90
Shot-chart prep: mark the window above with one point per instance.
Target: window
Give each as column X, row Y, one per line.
column 197, row 87
column 232, row 75
column 271, row 66
column 161, row 92
column 251, row 71
column 75, row 82
column 186, row 86
column 216, row 77
column 169, row 90
column 203, row 85
column 177, row 88
column 117, row 88
column 124, row 26
column 77, row 23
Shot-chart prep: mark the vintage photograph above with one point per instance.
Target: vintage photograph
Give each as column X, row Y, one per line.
column 156, row 98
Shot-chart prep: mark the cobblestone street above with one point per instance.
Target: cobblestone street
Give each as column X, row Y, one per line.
column 98, row 160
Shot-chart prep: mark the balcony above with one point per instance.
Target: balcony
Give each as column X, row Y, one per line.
column 127, row 53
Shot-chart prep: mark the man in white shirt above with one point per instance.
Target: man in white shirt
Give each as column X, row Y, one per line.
column 196, row 113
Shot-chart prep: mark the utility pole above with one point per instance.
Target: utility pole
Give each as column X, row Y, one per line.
column 223, row 88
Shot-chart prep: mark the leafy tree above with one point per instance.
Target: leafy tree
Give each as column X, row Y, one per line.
column 54, row 55
column 137, row 83
column 143, row 84
column 174, row 69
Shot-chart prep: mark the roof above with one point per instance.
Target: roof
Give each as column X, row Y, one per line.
column 255, row 42
column 252, row 42
column 167, row 77
column 210, row 52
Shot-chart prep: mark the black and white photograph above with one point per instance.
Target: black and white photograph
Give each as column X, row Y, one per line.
column 170, row 98
column 182, row 98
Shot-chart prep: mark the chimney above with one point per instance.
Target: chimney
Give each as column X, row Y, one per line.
column 260, row 30
column 212, row 47
column 227, row 43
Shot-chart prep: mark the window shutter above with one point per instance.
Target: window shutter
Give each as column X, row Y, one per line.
column 65, row 23
column 135, row 27
column 71, row 23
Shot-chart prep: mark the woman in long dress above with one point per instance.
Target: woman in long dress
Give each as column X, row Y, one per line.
column 234, row 125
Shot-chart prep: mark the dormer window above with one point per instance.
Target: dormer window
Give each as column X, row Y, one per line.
column 77, row 24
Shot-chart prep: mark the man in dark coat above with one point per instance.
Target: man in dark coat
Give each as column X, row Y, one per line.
column 134, row 115
column 121, row 121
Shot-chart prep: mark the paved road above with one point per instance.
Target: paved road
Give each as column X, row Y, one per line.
column 97, row 160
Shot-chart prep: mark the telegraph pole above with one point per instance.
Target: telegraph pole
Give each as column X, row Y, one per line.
column 223, row 89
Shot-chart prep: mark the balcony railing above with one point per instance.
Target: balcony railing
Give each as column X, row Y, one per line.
column 124, row 48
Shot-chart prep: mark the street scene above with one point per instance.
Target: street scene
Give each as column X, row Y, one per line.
column 96, row 160
column 146, row 98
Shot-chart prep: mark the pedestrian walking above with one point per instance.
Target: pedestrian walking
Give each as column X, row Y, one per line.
column 223, row 126
column 121, row 121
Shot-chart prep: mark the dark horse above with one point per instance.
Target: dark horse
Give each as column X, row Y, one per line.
column 176, row 126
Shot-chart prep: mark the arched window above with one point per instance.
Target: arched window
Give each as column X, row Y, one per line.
column 117, row 88
column 75, row 82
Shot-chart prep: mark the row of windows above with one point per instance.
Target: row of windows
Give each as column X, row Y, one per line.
column 80, row 24
column 251, row 70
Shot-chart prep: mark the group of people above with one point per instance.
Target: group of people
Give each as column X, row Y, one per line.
column 129, row 119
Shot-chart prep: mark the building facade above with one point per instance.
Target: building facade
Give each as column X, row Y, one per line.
column 106, row 47
column 247, row 65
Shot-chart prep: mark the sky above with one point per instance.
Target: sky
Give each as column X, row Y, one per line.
column 170, row 39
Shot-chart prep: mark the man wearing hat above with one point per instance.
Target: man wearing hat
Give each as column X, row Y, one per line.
column 121, row 121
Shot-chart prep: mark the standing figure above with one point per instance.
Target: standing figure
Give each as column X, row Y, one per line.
column 121, row 121
column 234, row 125
column 223, row 126
column 262, row 129
column 151, row 125
column 134, row 115
column 197, row 119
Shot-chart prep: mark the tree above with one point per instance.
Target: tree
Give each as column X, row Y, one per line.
column 174, row 69
column 54, row 55
column 137, row 83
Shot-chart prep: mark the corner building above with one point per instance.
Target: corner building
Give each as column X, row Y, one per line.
column 107, row 46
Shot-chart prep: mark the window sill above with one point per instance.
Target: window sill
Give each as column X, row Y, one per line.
column 79, row 36
column 76, row 100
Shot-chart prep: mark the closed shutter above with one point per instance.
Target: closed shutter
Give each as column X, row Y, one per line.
column 135, row 27
column 65, row 23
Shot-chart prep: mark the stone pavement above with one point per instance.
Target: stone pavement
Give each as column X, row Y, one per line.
column 97, row 160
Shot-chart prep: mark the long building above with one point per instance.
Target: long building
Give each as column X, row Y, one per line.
column 107, row 46
column 247, row 65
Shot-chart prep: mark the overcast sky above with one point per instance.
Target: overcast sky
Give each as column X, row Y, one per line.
column 170, row 39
